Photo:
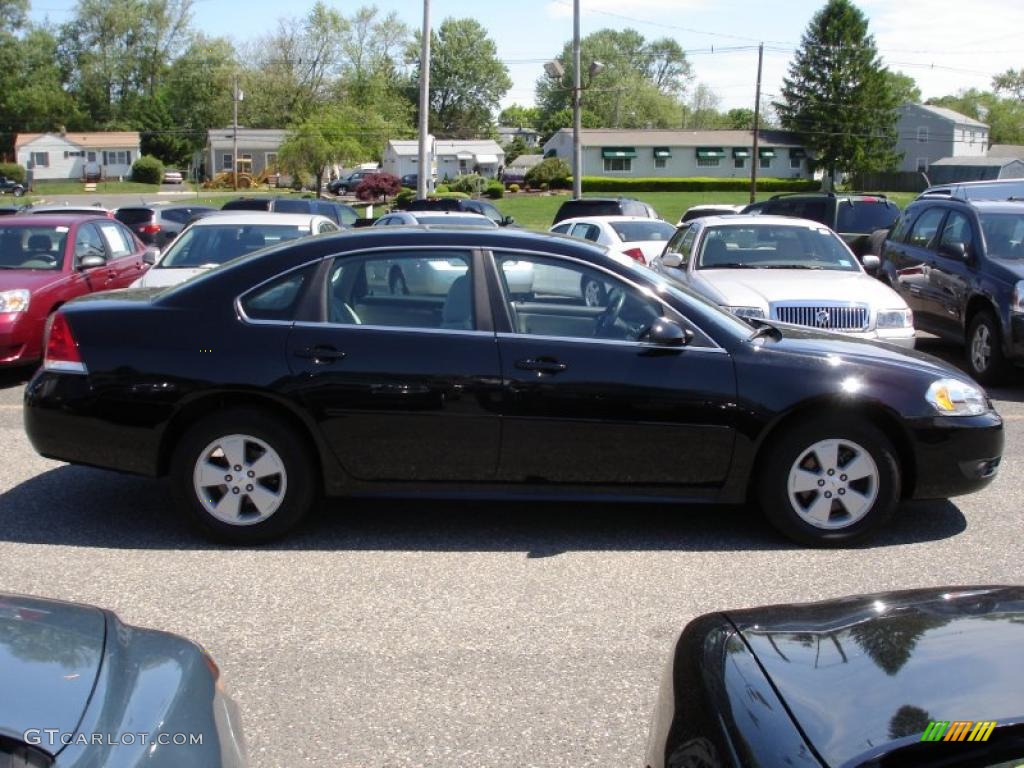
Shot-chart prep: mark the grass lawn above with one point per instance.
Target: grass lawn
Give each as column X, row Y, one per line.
column 50, row 188
column 537, row 211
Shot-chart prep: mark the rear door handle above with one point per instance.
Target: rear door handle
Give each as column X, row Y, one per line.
column 541, row 365
column 320, row 354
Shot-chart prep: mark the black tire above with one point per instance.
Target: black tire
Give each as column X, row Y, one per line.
column 984, row 325
column 779, row 460
column 300, row 486
column 18, row 191
column 397, row 284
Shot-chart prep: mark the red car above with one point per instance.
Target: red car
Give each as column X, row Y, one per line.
column 46, row 260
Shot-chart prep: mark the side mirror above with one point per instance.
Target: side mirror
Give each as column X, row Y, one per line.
column 871, row 263
column 150, row 255
column 954, row 250
column 668, row 333
column 507, row 221
column 91, row 261
column 671, row 259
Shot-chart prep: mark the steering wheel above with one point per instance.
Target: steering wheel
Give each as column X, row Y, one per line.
column 606, row 321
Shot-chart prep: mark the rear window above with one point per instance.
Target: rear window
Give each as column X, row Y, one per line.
column 132, row 216
column 294, row 206
column 252, row 204
column 637, row 231
column 573, row 209
column 459, row 221
column 214, row 245
column 865, row 216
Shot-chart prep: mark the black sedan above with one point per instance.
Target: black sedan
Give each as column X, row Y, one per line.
column 923, row 679
column 296, row 372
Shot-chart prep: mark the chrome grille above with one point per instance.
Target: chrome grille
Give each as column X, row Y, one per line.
column 832, row 317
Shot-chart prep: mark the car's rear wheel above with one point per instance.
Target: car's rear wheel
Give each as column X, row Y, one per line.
column 985, row 359
column 243, row 476
column 830, row 481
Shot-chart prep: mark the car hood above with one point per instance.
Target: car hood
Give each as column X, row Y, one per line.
column 32, row 279
column 763, row 287
column 50, row 654
column 162, row 277
column 866, row 674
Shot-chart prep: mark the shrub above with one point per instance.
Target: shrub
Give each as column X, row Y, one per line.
column 148, row 170
column 544, row 186
column 448, row 195
column 403, row 198
column 378, row 185
column 513, row 188
column 695, row 184
column 441, row 189
column 552, row 172
column 471, row 183
column 13, row 171
column 495, row 190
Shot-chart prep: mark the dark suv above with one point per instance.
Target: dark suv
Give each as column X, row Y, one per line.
column 339, row 213
column 960, row 267
column 458, row 204
column 604, row 206
column 11, row 187
column 853, row 216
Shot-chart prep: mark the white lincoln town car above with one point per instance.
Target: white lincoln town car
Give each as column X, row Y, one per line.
column 791, row 270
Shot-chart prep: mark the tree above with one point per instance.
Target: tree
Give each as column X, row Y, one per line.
column 903, row 88
column 836, row 95
column 197, row 89
column 378, row 185
column 641, row 84
column 13, row 15
column 467, row 81
column 1010, row 82
column 701, row 110
column 516, row 116
column 1004, row 117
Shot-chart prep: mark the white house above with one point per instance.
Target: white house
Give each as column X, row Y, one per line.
column 449, row 157
column 401, row 157
column 51, row 156
column 509, row 133
column 926, row 134
column 681, row 154
column 257, row 150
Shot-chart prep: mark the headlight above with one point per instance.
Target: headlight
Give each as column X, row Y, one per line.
column 952, row 397
column 894, row 318
column 14, row 301
column 746, row 311
column 1017, row 303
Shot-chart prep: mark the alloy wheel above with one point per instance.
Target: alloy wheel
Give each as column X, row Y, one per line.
column 833, row 484
column 981, row 348
column 240, row 479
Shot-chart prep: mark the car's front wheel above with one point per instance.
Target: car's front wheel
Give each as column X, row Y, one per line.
column 985, row 359
column 830, row 481
column 243, row 476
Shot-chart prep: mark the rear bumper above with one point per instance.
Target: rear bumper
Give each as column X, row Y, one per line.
column 956, row 455
column 66, row 420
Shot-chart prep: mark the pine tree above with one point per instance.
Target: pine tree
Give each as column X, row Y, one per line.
column 837, row 94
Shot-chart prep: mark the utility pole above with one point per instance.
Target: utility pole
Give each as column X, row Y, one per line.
column 234, row 133
column 577, row 85
column 424, row 176
column 757, row 120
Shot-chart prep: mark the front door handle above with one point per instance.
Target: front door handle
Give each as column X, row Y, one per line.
column 320, row 354
column 541, row 365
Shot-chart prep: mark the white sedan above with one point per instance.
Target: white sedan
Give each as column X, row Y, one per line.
column 212, row 240
column 791, row 270
column 637, row 238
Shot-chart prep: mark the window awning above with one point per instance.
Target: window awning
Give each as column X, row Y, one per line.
column 613, row 152
column 661, row 152
column 487, row 159
column 798, row 153
column 741, row 152
column 766, row 152
column 464, row 155
column 710, row 153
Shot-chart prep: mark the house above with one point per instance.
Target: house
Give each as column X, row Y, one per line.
column 97, row 155
column 926, row 134
column 949, row 169
column 680, row 154
column 257, row 150
column 507, row 134
column 449, row 157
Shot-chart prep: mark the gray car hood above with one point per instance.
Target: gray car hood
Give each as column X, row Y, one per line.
column 50, row 654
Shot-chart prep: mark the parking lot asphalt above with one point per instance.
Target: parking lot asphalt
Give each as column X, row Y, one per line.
column 461, row 633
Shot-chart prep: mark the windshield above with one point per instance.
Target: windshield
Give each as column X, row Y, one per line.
column 638, row 231
column 25, row 247
column 217, row 244
column 865, row 216
column 1004, row 234
column 772, row 246
column 460, row 221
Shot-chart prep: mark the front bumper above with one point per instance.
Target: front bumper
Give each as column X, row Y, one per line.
column 955, row 455
column 21, row 339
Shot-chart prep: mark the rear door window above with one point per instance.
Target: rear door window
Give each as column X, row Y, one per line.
column 923, row 232
column 118, row 244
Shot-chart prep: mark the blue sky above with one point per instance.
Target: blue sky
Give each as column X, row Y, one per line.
column 946, row 46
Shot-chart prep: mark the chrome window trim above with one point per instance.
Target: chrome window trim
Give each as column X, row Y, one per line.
column 614, row 342
column 240, row 311
column 646, row 290
column 391, row 328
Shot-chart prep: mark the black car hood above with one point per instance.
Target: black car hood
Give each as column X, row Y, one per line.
column 863, row 672
column 50, row 655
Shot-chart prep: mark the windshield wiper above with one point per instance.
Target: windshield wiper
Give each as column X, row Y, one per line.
column 791, row 266
column 730, row 265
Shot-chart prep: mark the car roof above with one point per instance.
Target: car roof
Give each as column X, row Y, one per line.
column 49, row 219
column 747, row 219
column 258, row 217
column 67, row 210
column 608, row 219
column 988, row 206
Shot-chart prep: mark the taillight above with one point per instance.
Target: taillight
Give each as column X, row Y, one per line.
column 61, row 348
column 149, row 229
column 636, row 255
